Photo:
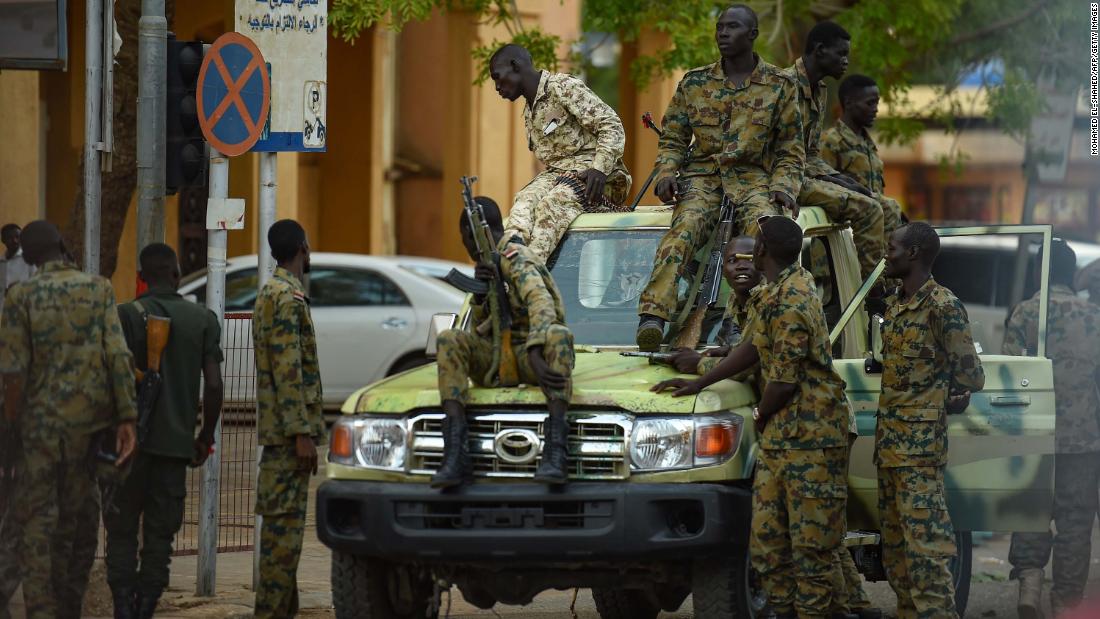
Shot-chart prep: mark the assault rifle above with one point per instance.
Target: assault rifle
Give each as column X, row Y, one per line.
column 149, row 380
column 647, row 122
column 655, row 358
column 712, row 278
column 503, row 371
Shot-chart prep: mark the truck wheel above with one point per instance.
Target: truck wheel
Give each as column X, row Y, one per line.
column 625, row 604
column 366, row 588
column 723, row 587
column 960, row 570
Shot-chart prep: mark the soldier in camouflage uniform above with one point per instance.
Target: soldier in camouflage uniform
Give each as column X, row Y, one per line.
column 61, row 347
column 800, row 489
column 1088, row 279
column 1073, row 339
column 744, row 118
column 542, row 345
column 929, row 369
column 288, row 398
column 577, row 137
column 827, row 47
column 847, row 146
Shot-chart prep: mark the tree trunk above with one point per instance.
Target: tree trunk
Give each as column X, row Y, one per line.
column 118, row 184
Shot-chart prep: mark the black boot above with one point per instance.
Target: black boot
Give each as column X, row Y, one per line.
column 651, row 331
column 555, row 449
column 455, row 467
column 124, row 603
column 146, row 605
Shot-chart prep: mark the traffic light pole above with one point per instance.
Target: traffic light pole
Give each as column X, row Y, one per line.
column 93, row 142
column 152, row 90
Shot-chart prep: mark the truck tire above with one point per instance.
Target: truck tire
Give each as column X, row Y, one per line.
column 723, row 587
column 625, row 604
column 960, row 570
column 366, row 588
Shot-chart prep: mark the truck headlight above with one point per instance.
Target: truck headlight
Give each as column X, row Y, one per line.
column 370, row 442
column 664, row 443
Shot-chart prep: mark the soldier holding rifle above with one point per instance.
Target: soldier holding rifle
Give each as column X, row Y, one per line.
column 518, row 334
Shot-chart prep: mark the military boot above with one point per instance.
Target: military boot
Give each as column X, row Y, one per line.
column 146, row 605
column 1030, row 605
column 455, row 467
column 555, row 450
column 124, row 603
column 651, row 331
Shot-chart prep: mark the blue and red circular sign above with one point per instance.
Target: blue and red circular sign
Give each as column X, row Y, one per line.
column 234, row 94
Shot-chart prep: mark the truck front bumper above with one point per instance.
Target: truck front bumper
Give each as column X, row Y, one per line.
column 487, row 522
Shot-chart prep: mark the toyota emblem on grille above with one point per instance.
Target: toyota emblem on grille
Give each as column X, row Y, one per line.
column 516, row 446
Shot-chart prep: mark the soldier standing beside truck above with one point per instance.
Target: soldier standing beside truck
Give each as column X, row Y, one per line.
column 743, row 115
column 151, row 499
column 1073, row 339
column 541, row 346
column 929, row 369
column 575, row 135
column 288, row 400
column 800, row 487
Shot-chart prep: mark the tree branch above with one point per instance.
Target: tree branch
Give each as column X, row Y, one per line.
column 1004, row 24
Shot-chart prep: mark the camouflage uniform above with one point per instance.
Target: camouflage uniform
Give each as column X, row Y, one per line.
column 61, row 332
column 569, row 129
column 857, row 157
column 746, row 145
column 841, row 204
column 927, row 354
column 735, row 328
column 800, row 489
column 288, row 395
column 1073, row 338
column 538, row 319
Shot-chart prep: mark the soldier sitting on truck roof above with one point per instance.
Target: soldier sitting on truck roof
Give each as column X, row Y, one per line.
column 571, row 131
column 543, row 348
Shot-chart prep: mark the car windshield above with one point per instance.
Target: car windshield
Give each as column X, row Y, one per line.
column 601, row 274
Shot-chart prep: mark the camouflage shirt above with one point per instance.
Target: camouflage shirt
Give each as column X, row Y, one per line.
column 61, row 332
column 1073, row 342
column 927, row 354
column 750, row 133
column 570, row 129
column 288, row 379
column 735, row 327
column 535, row 300
column 853, row 154
column 813, row 107
column 793, row 343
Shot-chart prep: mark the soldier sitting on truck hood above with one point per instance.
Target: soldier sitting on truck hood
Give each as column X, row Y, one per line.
column 543, row 348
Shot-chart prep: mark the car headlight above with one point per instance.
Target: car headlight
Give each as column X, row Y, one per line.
column 665, row 443
column 370, row 442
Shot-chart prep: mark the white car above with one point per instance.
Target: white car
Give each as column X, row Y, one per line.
column 371, row 314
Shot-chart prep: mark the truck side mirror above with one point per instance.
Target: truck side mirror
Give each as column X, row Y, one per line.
column 439, row 324
column 873, row 364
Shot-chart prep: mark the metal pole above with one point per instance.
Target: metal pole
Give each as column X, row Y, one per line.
column 151, row 137
column 268, row 185
column 93, row 93
column 216, row 245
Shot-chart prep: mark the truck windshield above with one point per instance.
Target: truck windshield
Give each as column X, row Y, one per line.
column 601, row 274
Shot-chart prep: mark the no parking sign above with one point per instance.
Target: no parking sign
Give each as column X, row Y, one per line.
column 234, row 94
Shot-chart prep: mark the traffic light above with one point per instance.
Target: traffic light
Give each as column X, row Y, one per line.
column 186, row 156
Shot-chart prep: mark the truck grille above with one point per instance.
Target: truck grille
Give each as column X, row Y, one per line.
column 503, row 444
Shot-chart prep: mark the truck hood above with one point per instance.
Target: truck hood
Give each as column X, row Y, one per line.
column 603, row 379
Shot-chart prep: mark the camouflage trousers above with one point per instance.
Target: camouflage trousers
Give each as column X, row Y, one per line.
column 850, row 594
column 281, row 494
column 150, row 502
column 918, row 540
column 864, row 214
column 798, row 524
column 58, row 511
column 463, row 355
column 1076, row 488
column 693, row 223
column 542, row 211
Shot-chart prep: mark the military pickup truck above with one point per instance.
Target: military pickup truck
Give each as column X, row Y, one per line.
column 658, row 506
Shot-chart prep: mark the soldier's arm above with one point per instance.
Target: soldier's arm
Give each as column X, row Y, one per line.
column 962, row 357
column 120, row 361
column 284, row 346
column 672, row 147
column 525, row 275
column 599, row 118
column 212, row 394
column 832, row 151
column 787, row 144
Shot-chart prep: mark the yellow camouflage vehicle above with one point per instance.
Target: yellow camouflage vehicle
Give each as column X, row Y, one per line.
column 658, row 506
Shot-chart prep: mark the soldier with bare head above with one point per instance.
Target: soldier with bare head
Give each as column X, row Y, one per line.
column 577, row 137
